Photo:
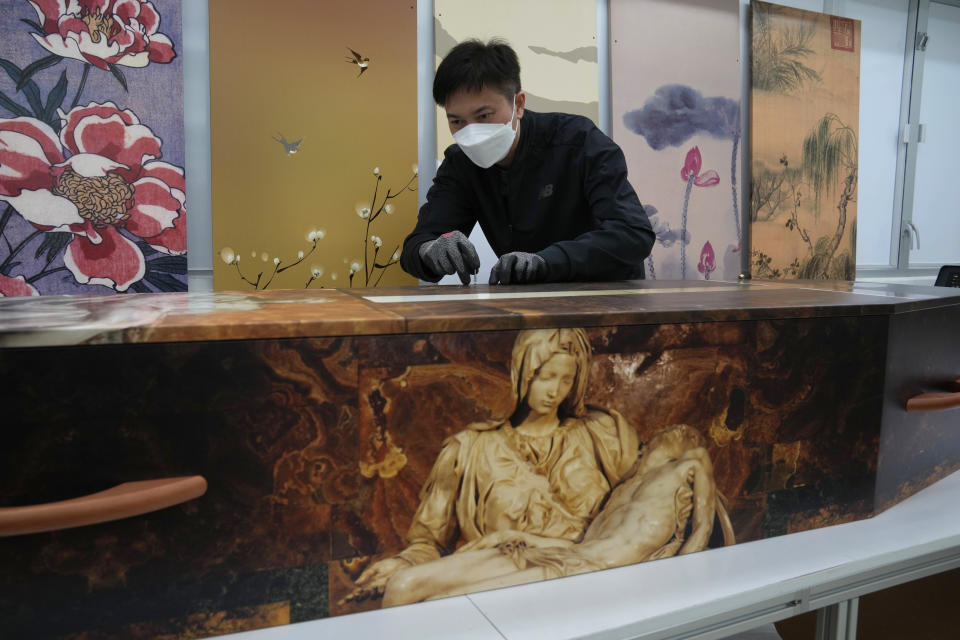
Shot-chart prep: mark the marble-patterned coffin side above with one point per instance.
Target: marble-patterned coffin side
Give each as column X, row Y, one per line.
column 517, row 307
column 272, row 427
column 918, row 448
column 789, row 453
column 177, row 317
column 316, row 450
column 189, row 317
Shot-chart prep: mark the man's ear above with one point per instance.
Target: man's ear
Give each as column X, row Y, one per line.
column 521, row 101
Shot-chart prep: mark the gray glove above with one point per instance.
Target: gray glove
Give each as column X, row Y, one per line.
column 450, row 253
column 519, row 267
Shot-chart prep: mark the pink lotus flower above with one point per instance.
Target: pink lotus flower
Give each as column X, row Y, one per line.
column 12, row 287
column 690, row 174
column 111, row 180
column 707, row 261
column 691, row 167
column 103, row 32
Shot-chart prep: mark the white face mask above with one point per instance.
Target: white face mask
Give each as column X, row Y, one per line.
column 487, row 143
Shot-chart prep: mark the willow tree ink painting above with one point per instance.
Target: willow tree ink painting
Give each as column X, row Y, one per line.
column 92, row 185
column 676, row 115
column 804, row 124
column 555, row 41
column 313, row 142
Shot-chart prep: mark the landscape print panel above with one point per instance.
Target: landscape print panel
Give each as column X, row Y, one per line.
column 804, row 130
column 555, row 40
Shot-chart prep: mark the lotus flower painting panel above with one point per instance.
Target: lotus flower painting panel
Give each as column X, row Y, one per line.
column 676, row 115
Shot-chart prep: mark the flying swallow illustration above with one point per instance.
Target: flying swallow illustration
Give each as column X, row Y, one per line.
column 290, row 147
column 358, row 60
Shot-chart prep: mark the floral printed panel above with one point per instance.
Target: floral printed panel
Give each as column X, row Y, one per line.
column 678, row 122
column 92, row 187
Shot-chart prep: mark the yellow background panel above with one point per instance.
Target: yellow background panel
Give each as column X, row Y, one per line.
column 282, row 69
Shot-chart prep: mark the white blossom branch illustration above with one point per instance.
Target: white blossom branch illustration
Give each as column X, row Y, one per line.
column 369, row 214
column 230, row 257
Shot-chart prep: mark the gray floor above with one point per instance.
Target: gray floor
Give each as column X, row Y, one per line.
column 766, row 632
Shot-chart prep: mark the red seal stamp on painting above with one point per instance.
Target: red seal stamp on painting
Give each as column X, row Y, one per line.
column 841, row 33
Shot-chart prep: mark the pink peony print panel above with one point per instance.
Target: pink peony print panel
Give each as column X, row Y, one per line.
column 92, row 184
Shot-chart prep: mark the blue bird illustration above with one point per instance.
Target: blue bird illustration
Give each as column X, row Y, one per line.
column 290, row 147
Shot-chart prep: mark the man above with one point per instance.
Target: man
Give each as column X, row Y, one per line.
column 549, row 190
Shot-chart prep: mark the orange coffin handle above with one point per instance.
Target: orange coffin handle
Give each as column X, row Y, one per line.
column 934, row 401
column 122, row 501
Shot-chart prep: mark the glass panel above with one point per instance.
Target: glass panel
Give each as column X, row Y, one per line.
column 884, row 33
column 937, row 188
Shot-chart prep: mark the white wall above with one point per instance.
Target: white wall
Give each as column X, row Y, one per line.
column 884, row 35
column 936, row 212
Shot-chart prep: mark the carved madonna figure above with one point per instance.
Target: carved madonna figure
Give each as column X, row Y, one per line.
column 541, row 474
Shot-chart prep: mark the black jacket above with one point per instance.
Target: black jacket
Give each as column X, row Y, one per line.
column 565, row 196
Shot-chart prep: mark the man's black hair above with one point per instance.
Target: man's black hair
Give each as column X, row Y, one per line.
column 473, row 65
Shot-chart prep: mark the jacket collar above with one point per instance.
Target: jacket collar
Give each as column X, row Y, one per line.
column 528, row 140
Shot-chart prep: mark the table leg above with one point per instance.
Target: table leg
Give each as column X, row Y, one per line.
column 838, row 621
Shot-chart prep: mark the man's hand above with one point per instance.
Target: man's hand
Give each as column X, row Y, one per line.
column 518, row 267
column 450, row 253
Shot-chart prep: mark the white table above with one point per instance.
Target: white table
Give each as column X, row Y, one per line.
column 701, row 596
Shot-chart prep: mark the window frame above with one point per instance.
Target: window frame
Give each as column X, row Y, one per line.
column 902, row 232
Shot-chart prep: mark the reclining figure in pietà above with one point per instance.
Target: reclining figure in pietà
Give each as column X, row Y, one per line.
column 543, row 475
column 645, row 518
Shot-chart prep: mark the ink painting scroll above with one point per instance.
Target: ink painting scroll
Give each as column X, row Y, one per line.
column 804, row 130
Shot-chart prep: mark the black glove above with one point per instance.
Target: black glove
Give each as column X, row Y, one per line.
column 450, row 253
column 519, row 267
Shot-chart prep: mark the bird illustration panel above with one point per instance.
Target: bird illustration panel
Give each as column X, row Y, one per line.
column 92, row 183
column 804, row 130
column 676, row 115
column 313, row 142
column 555, row 41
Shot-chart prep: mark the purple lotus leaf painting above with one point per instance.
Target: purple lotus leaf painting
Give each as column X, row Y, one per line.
column 682, row 112
column 92, row 184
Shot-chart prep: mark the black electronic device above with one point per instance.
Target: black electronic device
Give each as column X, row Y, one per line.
column 949, row 276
